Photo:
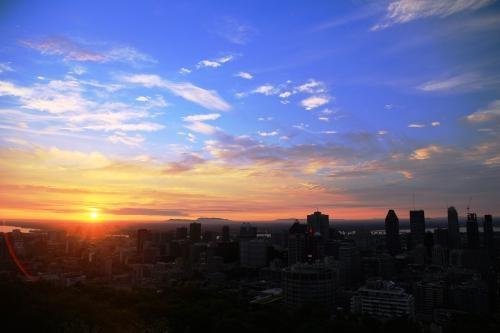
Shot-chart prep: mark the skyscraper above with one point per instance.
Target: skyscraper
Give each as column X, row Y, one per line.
column 488, row 234
column 319, row 223
column 453, row 229
column 143, row 235
column 195, row 232
column 225, row 233
column 417, row 226
column 298, row 241
column 392, row 241
column 472, row 231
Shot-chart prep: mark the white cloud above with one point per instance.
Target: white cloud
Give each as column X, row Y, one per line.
column 184, row 71
column 323, row 119
column 314, row 102
column 5, row 67
column 265, row 89
column 244, row 75
column 329, row 132
column 214, row 63
column 273, row 133
column 404, row 11
column 201, row 117
column 382, row 132
column 285, row 94
column 143, row 98
column 416, row 125
column 312, row 87
column 196, row 123
column 234, row 31
column 121, row 137
column 206, row 98
column 435, row 123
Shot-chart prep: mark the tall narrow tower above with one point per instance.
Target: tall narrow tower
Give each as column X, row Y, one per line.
column 453, row 228
column 417, row 226
column 472, row 231
column 392, row 240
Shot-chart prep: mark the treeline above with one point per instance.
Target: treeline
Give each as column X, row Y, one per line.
column 39, row 307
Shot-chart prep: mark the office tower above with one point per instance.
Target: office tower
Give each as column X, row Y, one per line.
column 441, row 237
column 309, row 284
column 349, row 264
column 383, row 300
column 472, row 231
column 453, row 229
column 297, row 243
column 392, row 241
column 417, row 226
column 143, row 236
column 181, row 233
column 429, row 295
column 489, row 243
column 247, row 231
column 195, row 232
column 225, row 233
column 253, row 253
column 319, row 223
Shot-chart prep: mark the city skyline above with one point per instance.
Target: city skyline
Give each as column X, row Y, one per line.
column 250, row 112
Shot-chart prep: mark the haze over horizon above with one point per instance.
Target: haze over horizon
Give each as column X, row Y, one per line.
column 112, row 111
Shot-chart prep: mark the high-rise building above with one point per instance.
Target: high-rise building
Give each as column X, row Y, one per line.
column 297, row 243
column 225, row 233
column 247, row 231
column 429, row 295
column 319, row 223
column 383, row 300
column 181, row 233
column 453, row 229
column 489, row 242
column 417, row 226
column 195, row 232
column 393, row 243
column 143, row 236
column 349, row 264
column 309, row 284
column 253, row 253
column 472, row 231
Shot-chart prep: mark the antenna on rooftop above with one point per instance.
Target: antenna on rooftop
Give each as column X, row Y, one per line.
column 413, row 200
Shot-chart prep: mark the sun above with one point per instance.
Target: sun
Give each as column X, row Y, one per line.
column 93, row 215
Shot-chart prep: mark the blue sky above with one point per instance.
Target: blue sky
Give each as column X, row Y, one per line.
column 334, row 103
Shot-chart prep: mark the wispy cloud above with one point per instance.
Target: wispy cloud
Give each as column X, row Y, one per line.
column 462, row 82
column 215, row 62
column 416, row 126
column 206, row 98
column 272, row 133
column 404, row 11
column 5, row 67
column 197, row 123
column 489, row 114
column 244, row 75
column 70, row 50
column 234, row 30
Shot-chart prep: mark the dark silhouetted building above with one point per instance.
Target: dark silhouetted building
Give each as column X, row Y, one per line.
column 417, row 226
column 392, row 241
column 225, row 234
column 298, row 243
column 453, row 229
column 472, row 231
column 143, row 236
column 489, row 241
column 195, row 232
column 247, row 231
column 181, row 233
column 309, row 284
column 319, row 223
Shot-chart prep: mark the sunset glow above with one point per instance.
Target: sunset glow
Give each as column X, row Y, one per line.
column 204, row 112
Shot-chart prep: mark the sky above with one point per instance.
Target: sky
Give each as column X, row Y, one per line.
column 248, row 110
